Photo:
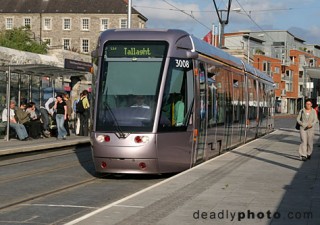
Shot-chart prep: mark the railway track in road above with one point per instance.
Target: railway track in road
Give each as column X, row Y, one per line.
column 54, row 187
column 22, row 162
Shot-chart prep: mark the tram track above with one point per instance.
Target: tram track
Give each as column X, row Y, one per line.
column 41, row 156
column 39, row 172
column 45, row 194
column 27, row 159
column 53, row 187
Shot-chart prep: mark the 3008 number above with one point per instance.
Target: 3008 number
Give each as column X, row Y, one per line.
column 182, row 63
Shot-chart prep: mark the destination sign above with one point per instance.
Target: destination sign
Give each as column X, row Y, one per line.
column 136, row 49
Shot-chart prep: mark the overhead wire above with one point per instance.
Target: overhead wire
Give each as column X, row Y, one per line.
column 249, row 16
column 192, row 16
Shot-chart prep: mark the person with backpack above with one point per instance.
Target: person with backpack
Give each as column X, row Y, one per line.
column 84, row 112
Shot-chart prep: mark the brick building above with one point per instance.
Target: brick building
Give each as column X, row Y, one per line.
column 293, row 65
column 68, row 24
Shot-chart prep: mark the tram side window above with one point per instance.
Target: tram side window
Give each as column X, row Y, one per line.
column 178, row 96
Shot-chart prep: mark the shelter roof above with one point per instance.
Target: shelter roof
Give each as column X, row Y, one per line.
column 42, row 70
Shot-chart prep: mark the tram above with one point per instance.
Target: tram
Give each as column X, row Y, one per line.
column 166, row 101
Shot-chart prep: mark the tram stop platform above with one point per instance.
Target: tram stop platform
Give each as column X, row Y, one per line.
column 260, row 183
column 14, row 146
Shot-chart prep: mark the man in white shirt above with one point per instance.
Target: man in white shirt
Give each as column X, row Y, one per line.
column 19, row 128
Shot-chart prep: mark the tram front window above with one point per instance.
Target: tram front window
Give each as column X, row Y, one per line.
column 129, row 86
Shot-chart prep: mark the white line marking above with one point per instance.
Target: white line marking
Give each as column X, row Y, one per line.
column 130, row 206
column 66, row 206
column 153, row 186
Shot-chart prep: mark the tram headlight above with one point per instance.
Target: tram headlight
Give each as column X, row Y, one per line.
column 100, row 138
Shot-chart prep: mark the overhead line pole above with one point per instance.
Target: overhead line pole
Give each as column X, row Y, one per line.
column 222, row 21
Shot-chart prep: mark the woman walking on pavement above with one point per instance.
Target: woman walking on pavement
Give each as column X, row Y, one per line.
column 61, row 115
column 307, row 118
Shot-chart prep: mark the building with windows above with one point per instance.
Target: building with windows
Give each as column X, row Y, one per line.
column 293, row 64
column 68, row 24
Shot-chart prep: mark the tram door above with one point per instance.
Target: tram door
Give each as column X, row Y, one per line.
column 200, row 112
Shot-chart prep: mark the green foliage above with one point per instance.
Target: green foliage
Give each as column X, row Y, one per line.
column 23, row 39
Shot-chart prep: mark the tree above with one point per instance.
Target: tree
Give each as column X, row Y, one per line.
column 22, row 38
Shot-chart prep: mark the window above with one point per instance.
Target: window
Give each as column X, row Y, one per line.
column 85, row 24
column 9, row 23
column 276, row 69
column 47, row 24
column 129, row 89
column 123, row 23
column 267, row 67
column 66, row 24
column 66, row 43
column 141, row 24
column 289, row 80
column 104, row 24
column 27, row 22
column 178, row 96
column 48, row 41
column 85, row 45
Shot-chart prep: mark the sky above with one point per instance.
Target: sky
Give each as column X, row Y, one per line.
column 299, row 17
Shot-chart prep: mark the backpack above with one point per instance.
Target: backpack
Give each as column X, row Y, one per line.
column 79, row 107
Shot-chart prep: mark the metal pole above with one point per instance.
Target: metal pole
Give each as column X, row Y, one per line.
column 129, row 13
column 8, row 102
column 221, row 35
column 304, row 85
column 19, row 89
column 248, row 46
column 212, row 36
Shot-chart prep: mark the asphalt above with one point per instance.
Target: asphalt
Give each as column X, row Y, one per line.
column 260, row 183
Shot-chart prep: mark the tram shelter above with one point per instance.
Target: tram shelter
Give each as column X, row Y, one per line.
column 33, row 82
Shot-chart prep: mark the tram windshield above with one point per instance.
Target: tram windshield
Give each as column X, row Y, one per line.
column 129, row 85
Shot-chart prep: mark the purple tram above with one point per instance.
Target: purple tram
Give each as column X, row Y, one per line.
column 165, row 101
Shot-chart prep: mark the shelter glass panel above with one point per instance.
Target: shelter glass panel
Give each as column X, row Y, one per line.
column 35, row 90
column 3, row 88
column 24, row 88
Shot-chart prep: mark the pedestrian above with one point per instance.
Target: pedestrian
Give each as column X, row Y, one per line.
column 61, row 115
column 45, row 117
column 35, row 125
column 307, row 118
column 77, row 116
column 69, row 112
column 84, row 115
column 49, row 115
column 19, row 128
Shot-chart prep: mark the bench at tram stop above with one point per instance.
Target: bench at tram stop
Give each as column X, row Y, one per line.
column 3, row 131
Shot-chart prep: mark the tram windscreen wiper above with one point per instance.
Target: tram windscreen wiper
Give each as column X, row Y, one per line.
column 115, row 122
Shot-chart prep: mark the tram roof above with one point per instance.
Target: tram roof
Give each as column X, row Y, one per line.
column 249, row 68
column 207, row 49
column 41, row 70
